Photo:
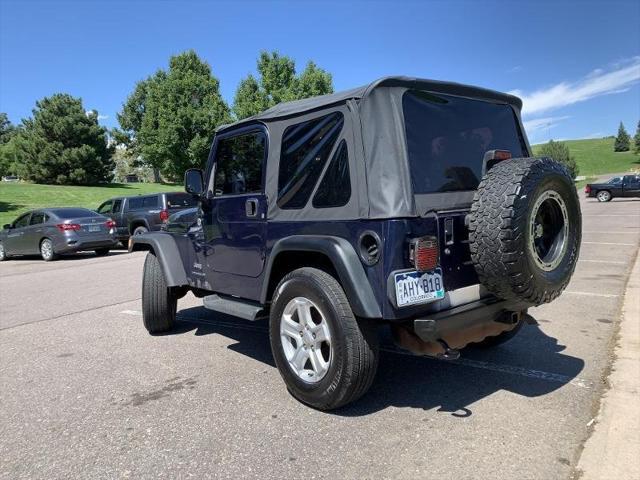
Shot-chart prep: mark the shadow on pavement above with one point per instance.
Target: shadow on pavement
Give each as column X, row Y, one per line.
column 70, row 256
column 530, row 365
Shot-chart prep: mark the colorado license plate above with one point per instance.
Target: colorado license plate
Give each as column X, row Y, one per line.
column 414, row 287
column 94, row 228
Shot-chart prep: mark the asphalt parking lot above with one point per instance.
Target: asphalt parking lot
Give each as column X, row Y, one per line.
column 85, row 392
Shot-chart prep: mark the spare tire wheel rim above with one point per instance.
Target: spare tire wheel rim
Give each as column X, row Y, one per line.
column 306, row 339
column 548, row 230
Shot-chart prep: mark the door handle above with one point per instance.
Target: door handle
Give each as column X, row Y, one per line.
column 251, row 207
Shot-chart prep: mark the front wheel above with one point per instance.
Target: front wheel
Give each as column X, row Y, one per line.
column 159, row 303
column 101, row 252
column 325, row 356
column 46, row 250
column 603, row 196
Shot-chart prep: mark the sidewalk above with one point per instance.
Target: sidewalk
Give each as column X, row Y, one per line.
column 612, row 451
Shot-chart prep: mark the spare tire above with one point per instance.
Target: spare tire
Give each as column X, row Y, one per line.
column 525, row 228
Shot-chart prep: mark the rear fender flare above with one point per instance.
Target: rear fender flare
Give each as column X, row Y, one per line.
column 346, row 262
column 164, row 247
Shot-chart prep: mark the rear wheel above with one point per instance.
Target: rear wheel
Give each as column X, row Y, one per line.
column 3, row 253
column 46, row 250
column 101, row 252
column 159, row 303
column 326, row 357
column 140, row 230
column 603, row 196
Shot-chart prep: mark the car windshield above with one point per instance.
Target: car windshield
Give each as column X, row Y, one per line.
column 181, row 200
column 616, row 180
column 74, row 212
column 447, row 138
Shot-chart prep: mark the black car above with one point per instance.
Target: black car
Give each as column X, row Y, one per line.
column 407, row 203
column 625, row 186
column 51, row 232
column 144, row 213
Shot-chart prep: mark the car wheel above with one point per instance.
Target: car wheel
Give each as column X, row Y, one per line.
column 525, row 230
column 326, row 357
column 499, row 339
column 159, row 303
column 101, row 252
column 3, row 253
column 603, row 196
column 46, row 250
column 140, row 230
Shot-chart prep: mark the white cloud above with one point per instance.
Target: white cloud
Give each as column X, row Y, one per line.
column 517, row 68
column 103, row 117
column 598, row 82
column 546, row 123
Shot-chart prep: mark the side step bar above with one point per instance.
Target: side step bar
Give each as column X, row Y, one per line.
column 235, row 307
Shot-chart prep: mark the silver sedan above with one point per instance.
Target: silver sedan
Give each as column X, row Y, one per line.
column 54, row 231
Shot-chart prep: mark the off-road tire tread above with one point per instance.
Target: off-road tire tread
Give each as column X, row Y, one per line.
column 158, row 302
column 496, row 241
column 360, row 339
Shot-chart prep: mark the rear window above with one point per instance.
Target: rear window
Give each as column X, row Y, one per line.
column 74, row 212
column 181, row 200
column 447, row 138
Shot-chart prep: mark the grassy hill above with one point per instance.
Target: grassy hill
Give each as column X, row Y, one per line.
column 15, row 198
column 596, row 157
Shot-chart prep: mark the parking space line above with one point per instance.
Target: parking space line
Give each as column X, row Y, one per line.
column 592, row 232
column 611, row 215
column 465, row 362
column 602, row 261
column 590, row 294
column 131, row 312
column 610, row 243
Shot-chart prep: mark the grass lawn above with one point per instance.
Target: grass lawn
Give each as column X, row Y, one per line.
column 15, row 198
column 596, row 157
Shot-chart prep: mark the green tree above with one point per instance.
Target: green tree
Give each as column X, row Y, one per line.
column 63, row 144
column 636, row 140
column 169, row 119
column 7, row 129
column 560, row 153
column 7, row 146
column 623, row 141
column 278, row 82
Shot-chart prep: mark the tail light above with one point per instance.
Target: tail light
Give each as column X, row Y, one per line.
column 164, row 215
column 110, row 224
column 587, row 189
column 63, row 227
column 424, row 253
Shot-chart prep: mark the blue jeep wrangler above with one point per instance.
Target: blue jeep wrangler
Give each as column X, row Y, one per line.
column 408, row 203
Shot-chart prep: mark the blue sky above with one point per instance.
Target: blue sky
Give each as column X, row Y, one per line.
column 576, row 64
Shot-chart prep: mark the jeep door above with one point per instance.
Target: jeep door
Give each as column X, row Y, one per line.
column 234, row 219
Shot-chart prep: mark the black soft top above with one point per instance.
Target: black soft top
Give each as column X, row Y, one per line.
column 286, row 109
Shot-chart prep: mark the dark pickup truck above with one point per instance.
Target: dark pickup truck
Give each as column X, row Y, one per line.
column 625, row 186
column 144, row 213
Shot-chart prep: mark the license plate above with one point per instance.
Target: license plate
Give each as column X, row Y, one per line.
column 414, row 287
column 94, row 228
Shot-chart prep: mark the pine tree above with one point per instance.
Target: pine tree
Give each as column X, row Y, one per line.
column 623, row 140
column 636, row 140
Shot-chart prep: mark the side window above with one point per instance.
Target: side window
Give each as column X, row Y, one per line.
column 239, row 162
column 105, row 207
column 22, row 221
column 117, row 205
column 135, row 203
column 150, row 202
column 37, row 218
column 335, row 188
column 305, row 150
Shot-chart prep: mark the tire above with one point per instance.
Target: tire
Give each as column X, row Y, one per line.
column 46, row 250
column 3, row 253
column 101, row 252
column 159, row 304
column 499, row 339
column 140, row 230
column 350, row 360
column 604, row 196
column 525, row 230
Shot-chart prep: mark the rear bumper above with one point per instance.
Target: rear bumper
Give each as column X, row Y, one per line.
column 434, row 326
column 71, row 245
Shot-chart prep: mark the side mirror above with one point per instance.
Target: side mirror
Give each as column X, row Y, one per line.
column 6, row 226
column 193, row 182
